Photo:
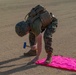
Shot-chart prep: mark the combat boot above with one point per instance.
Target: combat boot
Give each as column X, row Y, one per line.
column 48, row 59
column 30, row 53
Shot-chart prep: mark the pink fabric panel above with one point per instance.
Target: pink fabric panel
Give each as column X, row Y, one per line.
column 61, row 62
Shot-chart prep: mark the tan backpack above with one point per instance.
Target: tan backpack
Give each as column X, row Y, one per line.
column 42, row 13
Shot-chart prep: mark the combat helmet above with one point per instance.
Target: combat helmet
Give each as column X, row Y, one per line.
column 22, row 28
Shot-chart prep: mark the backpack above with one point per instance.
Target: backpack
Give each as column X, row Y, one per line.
column 36, row 10
column 40, row 12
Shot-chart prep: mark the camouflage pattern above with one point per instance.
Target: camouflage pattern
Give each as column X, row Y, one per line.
column 36, row 27
column 48, row 35
column 32, row 39
column 48, row 31
column 21, row 28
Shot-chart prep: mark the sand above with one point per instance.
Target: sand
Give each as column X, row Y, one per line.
column 12, row 61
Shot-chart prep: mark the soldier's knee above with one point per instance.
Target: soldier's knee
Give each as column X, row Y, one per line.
column 48, row 44
column 48, row 40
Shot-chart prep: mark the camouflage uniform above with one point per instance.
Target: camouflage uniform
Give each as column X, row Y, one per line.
column 48, row 31
column 39, row 20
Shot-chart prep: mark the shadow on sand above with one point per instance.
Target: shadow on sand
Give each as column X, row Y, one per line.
column 14, row 59
column 25, row 66
column 72, row 74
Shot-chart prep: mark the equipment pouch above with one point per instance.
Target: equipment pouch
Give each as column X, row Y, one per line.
column 46, row 18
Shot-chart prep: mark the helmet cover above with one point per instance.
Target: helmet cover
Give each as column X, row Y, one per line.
column 21, row 28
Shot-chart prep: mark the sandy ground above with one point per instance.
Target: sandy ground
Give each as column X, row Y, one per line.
column 12, row 61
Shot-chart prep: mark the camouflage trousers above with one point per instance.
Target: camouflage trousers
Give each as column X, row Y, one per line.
column 47, row 40
column 48, row 31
